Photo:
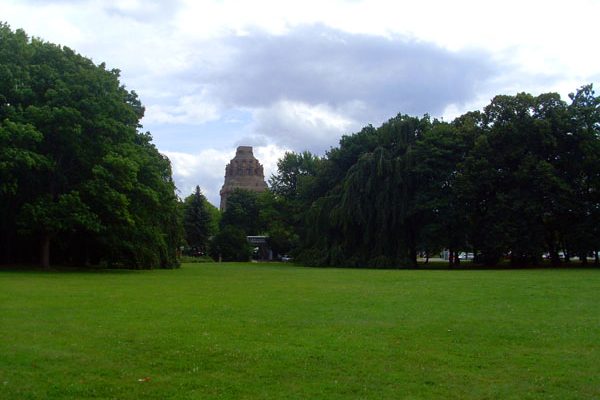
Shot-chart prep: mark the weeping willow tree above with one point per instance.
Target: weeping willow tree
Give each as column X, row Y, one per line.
column 370, row 217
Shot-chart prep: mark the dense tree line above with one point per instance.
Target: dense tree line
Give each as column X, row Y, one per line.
column 79, row 183
column 520, row 179
column 249, row 214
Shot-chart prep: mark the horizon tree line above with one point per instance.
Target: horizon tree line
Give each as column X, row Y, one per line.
column 520, row 179
column 81, row 184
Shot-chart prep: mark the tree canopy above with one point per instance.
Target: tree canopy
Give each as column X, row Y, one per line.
column 81, row 184
column 520, row 179
column 76, row 174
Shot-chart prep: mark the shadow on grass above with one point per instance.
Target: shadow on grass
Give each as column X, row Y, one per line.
column 431, row 266
column 467, row 266
column 28, row 268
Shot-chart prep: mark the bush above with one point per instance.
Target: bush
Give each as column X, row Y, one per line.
column 381, row 262
column 196, row 259
column 231, row 245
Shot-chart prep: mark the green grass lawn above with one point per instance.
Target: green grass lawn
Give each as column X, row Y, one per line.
column 276, row 331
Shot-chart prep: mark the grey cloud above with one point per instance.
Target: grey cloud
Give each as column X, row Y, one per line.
column 151, row 11
column 44, row 2
column 319, row 65
column 253, row 140
column 360, row 78
column 293, row 130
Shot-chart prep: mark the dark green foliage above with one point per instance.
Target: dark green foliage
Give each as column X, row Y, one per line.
column 265, row 214
column 518, row 180
column 294, row 171
column 370, row 212
column 283, row 208
column 75, row 173
column 230, row 244
column 437, row 157
column 215, row 218
column 197, row 222
column 242, row 212
column 196, row 259
column 239, row 220
column 279, row 222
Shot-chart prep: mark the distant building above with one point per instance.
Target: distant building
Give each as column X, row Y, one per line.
column 243, row 172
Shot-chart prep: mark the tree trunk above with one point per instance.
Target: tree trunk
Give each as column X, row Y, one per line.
column 87, row 262
column 450, row 258
column 5, row 253
column 412, row 253
column 45, row 251
column 411, row 243
column 596, row 258
column 554, row 258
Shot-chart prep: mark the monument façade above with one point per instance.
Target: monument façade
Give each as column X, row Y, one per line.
column 243, row 172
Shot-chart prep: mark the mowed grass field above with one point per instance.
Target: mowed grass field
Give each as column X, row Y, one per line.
column 276, row 331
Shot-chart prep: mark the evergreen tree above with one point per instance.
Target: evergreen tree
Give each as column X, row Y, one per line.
column 197, row 221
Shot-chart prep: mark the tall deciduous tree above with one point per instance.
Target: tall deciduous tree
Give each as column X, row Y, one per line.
column 243, row 212
column 293, row 172
column 76, row 172
column 438, row 156
column 283, row 207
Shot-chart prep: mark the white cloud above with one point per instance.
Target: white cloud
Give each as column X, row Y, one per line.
column 554, row 33
column 551, row 34
column 206, row 169
column 268, row 156
column 309, row 71
column 193, row 109
column 301, row 126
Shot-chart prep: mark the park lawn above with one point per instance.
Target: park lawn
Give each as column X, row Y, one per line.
column 277, row 331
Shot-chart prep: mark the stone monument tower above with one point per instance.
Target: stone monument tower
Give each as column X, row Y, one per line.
column 243, row 172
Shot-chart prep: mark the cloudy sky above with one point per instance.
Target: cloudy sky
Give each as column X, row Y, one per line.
column 296, row 75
